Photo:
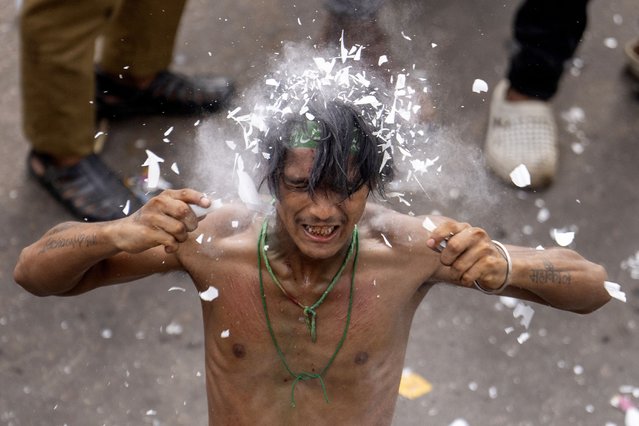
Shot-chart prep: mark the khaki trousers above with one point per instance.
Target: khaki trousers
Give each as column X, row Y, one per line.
column 58, row 45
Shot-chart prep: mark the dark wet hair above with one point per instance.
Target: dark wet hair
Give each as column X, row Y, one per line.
column 348, row 153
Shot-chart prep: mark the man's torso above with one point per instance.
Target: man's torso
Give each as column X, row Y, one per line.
column 247, row 381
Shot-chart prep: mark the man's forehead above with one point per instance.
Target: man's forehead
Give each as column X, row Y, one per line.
column 299, row 162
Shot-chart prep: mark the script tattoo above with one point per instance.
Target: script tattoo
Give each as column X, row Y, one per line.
column 549, row 275
column 76, row 241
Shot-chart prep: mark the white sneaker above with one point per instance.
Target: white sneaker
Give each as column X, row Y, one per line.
column 522, row 132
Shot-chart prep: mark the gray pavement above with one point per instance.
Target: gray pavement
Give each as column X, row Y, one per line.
column 133, row 354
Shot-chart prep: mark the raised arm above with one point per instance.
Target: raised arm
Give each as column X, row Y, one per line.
column 559, row 277
column 73, row 258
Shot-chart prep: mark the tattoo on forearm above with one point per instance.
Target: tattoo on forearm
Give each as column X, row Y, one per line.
column 61, row 227
column 549, row 275
column 77, row 241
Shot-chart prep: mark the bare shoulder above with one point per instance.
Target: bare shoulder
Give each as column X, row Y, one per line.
column 393, row 227
column 406, row 235
column 228, row 221
column 225, row 241
column 396, row 243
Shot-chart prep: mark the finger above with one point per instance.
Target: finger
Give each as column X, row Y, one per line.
column 189, row 196
column 197, row 201
column 460, row 257
column 176, row 228
column 205, row 205
column 171, row 204
column 156, row 236
column 440, row 236
column 490, row 271
column 469, row 267
column 171, row 248
column 199, row 207
column 456, row 244
column 443, row 243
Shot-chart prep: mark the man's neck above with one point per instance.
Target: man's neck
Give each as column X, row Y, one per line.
column 292, row 265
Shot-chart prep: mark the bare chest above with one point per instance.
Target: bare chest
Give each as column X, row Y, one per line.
column 258, row 343
column 359, row 334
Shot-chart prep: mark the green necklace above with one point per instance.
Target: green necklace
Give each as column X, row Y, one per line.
column 310, row 316
column 261, row 255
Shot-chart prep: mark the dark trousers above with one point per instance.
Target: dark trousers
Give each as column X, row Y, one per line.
column 547, row 32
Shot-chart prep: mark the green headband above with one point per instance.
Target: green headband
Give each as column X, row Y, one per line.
column 308, row 134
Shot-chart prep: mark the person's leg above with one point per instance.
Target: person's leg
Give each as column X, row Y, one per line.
column 57, row 49
column 133, row 76
column 358, row 20
column 548, row 33
column 139, row 41
column 58, row 86
column 521, row 127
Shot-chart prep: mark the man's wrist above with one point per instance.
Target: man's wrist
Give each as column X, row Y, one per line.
column 509, row 267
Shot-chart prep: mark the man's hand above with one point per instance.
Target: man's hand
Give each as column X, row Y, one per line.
column 164, row 220
column 469, row 254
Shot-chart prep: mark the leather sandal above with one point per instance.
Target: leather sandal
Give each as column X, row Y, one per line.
column 88, row 189
column 169, row 93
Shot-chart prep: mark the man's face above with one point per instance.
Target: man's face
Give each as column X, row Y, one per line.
column 322, row 225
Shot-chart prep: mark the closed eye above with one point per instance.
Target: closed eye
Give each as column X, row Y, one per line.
column 296, row 184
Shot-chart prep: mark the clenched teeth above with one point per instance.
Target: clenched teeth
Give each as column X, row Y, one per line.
column 322, row 231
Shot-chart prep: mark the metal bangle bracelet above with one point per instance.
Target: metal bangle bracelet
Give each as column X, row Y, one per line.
column 509, row 267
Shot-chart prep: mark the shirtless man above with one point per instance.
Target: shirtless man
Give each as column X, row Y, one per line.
column 320, row 294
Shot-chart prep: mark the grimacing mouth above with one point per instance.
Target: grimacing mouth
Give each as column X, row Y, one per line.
column 320, row 231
